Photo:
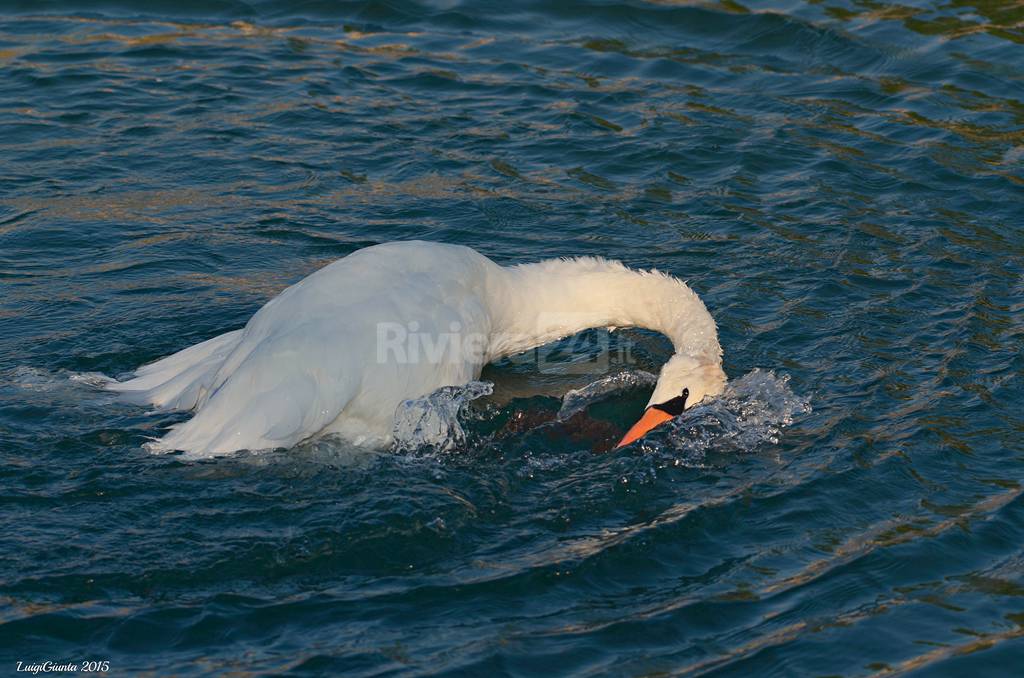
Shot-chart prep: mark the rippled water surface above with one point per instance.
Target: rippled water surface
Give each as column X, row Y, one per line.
column 841, row 181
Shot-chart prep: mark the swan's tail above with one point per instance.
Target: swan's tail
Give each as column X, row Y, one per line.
column 182, row 381
column 251, row 394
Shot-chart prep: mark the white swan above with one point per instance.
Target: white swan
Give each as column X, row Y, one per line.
column 338, row 351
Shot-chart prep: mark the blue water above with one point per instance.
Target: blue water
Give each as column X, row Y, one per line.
column 842, row 181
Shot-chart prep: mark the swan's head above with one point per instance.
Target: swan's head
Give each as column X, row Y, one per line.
column 684, row 381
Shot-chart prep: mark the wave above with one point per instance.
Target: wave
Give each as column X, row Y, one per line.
column 578, row 399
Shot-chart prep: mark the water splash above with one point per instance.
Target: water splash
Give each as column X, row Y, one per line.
column 96, row 380
column 752, row 411
column 578, row 399
column 432, row 422
column 28, row 378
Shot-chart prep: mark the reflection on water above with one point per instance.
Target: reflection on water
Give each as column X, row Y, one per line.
column 840, row 180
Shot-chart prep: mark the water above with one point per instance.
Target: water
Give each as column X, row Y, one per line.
column 841, row 181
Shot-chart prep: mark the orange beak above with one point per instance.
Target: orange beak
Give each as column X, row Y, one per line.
column 652, row 417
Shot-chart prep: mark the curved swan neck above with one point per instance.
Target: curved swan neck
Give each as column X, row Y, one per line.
column 533, row 304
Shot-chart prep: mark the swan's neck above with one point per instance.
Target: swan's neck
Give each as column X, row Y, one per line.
column 534, row 304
